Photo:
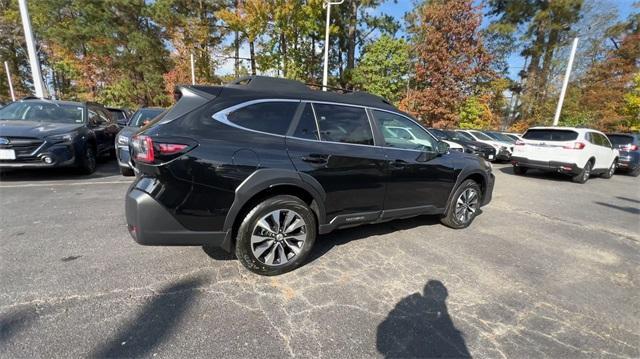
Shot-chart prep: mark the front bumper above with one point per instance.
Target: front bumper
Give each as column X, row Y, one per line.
column 59, row 155
column 149, row 223
column 503, row 154
column 551, row 166
column 123, row 156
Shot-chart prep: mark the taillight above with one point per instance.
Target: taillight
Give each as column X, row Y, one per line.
column 520, row 143
column 574, row 146
column 631, row 147
column 143, row 148
column 171, row 148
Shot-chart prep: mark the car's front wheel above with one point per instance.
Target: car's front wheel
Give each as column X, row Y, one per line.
column 126, row 171
column 464, row 205
column 88, row 160
column 276, row 235
column 519, row 170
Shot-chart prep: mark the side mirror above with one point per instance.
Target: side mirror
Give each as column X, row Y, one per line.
column 442, row 147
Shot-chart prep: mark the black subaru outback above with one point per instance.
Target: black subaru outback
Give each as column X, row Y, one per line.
column 262, row 166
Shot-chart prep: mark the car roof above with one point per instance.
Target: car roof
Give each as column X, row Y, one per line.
column 263, row 87
column 576, row 129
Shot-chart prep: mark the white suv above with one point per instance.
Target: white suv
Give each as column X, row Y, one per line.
column 579, row 152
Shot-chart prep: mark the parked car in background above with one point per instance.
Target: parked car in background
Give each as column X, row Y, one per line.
column 120, row 115
column 503, row 149
column 578, row 152
column 628, row 146
column 263, row 165
column 501, row 137
column 45, row 133
column 468, row 144
column 408, row 134
column 514, row 136
column 139, row 119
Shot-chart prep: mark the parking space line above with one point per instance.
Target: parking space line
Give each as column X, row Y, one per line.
column 61, row 184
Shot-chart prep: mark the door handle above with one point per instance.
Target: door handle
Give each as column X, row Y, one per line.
column 398, row 164
column 316, row 159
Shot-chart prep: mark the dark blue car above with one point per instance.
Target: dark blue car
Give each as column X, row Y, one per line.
column 628, row 145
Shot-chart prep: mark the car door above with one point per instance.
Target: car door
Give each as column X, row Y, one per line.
column 334, row 144
column 418, row 178
column 111, row 128
column 98, row 126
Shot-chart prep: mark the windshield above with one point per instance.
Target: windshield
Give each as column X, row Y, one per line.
column 481, row 136
column 144, row 115
column 501, row 137
column 620, row 140
column 441, row 135
column 119, row 115
column 42, row 112
column 459, row 136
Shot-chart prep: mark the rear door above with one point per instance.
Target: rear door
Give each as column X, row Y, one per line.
column 546, row 144
column 417, row 177
column 334, row 144
column 604, row 151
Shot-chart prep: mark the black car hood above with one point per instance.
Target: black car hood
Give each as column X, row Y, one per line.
column 472, row 143
column 35, row 128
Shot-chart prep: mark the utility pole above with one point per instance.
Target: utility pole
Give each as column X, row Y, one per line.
column 34, row 63
column 325, row 73
column 193, row 71
column 565, row 82
column 6, row 67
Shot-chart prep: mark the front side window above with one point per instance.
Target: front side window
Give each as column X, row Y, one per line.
column 42, row 112
column 400, row 132
column 343, row 124
column 270, row 117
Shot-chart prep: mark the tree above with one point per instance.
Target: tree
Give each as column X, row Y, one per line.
column 451, row 60
column 383, row 69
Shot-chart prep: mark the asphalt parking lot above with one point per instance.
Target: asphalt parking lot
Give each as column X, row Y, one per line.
column 550, row 269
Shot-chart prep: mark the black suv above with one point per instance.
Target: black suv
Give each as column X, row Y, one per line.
column 46, row 133
column 262, row 166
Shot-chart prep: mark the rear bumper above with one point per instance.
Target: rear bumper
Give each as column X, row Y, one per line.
column 551, row 166
column 629, row 161
column 149, row 223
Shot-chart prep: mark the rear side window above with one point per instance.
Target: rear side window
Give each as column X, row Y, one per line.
column 621, row 140
column 550, row 135
column 307, row 127
column 270, row 117
column 343, row 124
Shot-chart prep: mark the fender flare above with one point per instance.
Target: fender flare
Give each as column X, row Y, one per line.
column 464, row 174
column 263, row 179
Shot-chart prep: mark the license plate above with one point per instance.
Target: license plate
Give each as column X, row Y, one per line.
column 490, row 157
column 7, row 154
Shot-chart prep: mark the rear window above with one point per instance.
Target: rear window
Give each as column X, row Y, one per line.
column 620, row 140
column 550, row 135
column 269, row 117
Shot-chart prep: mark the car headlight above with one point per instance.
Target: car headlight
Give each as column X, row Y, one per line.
column 123, row 140
column 65, row 137
column 475, row 148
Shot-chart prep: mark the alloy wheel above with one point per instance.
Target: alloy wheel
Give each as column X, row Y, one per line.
column 586, row 172
column 278, row 237
column 466, row 205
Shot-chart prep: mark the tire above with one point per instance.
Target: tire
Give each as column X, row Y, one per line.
column 88, row 161
column 464, row 206
column 275, row 251
column 126, row 171
column 610, row 171
column 635, row 172
column 584, row 175
column 520, row 170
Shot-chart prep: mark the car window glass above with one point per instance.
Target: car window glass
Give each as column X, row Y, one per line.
column 307, row 127
column 343, row 124
column 400, row 132
column 270, row 117
column 550, row 135
column 93, row 117
column 603, row 141
column 621, row 140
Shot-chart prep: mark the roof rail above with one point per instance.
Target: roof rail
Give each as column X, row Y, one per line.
column 264, row 83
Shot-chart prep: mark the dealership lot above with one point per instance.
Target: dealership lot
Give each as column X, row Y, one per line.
column 551, row 268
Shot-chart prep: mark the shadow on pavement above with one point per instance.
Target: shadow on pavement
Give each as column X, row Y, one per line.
column 533, row 173
column 12, row 323
column 153, row 324
column 420, row 327
column 218, row 253
column 632, row 210
column 325, row 243
column 105, row 168
column 628, row 199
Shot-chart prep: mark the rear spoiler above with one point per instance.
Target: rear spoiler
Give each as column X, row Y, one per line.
column 188, row 98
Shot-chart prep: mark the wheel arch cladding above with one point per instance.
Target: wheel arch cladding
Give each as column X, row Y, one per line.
column 476, row 176
column 265, row 183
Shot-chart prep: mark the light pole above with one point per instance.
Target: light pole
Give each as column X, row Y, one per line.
column 34, row 63
column 193, row 71
column 325, row 72
column 6, row 67
column 565, row 82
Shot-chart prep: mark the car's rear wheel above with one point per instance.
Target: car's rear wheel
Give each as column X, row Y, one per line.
column 464, row 205
column 126, row 171
column 635, row 172
column 584, row 175
column 88, row 160
column 519, row 170
column 610, row 171
column 276, row 235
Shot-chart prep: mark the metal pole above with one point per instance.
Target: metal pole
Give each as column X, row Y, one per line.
column 6, row 67
column 193, row 72
column 325, row 72
column 565, row 82
column 38, row 84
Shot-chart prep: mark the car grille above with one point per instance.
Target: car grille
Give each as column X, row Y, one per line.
column 24, row 146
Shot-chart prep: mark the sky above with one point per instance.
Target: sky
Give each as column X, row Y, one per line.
column 398, row 8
